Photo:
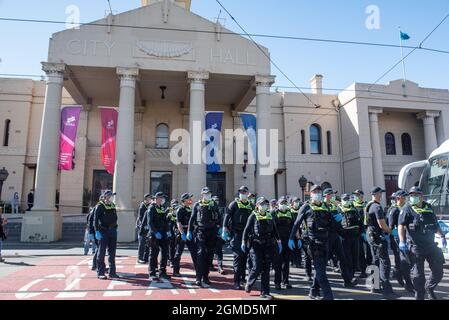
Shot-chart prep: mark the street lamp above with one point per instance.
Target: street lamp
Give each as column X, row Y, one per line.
column 3, row 176
column 302, row 183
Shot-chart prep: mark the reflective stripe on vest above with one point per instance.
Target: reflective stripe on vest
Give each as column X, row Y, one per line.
column 260, row 217
column 244, row 206
column 323, row 207
column 426, row 209
column 108, row 206
column 286, row 214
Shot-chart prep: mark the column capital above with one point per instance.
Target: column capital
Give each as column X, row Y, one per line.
column 127, row 73
column 264, row 80
column 198, row 76
column 375, row 110
column 54, row 69
column 428, row 114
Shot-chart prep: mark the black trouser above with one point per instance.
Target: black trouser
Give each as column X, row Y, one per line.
column 205, row 243
column 435, row 258
column 400, row 264
column 94, row 259
column 219, row 251
column 365, row 255
column 379, row 250
column 336, row 249
column 179, row 250
column 143, row 250
column 319, row 253
column 295, row 257
column 156, row 246
column 351, row 249
column 261, row 254
column 171, row 247
column 307, row 256
column 282, row 264
column 239, row 257
column 108, row 241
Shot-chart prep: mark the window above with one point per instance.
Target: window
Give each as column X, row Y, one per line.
column 162, row 136
column 315, row 139
column 6, row 133
column 161, row 181
column 390, row 145
column 303, row 142
column 101, row 181
column 406, row 144
column 329, row 142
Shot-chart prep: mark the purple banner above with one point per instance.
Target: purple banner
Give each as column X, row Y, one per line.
column 70, row 116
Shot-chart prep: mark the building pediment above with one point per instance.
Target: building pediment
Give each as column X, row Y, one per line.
column 158, row 37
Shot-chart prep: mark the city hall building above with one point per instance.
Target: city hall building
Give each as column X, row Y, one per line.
column 161, row 80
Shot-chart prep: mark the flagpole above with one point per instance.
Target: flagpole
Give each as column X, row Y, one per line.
column 402, row 57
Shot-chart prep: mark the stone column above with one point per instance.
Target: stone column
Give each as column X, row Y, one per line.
column 378, row 171
column 430, row 137
column 124, row 154
column 264, row 183
column 44, row 223
column 196, row 172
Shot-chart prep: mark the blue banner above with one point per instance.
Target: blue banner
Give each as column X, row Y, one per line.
column 213, row 129
column 250, row 124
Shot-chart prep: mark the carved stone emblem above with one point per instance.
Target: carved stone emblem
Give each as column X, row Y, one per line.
column 164, row 49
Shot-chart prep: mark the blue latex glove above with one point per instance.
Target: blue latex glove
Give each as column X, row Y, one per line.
column 220, row 231
column 183, row 237
column 225, row 236
column 364, row 236
column 395, row 233
column 189, row 236
column 280, row 247
column 299, row 244
column 291, row 244
column 444, row 242
column 98, row 235
column 403, row 246
column 338, row 217
column 243, row 247
column 158, row 235
column 169, row 234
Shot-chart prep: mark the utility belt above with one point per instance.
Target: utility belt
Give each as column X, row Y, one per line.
column 353, row 231
column 103, row 228
column 375, row 237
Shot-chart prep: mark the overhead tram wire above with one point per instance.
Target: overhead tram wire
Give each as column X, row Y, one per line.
column 267, row 55
column 408, row 54
column 254, row 35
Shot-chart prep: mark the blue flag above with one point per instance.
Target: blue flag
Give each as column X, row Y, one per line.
column 249, row 123
column 404, row 36
column 213, row 129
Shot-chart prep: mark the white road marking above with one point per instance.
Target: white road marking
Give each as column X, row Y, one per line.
column 73, row 284
column 188, row 284
column 111, row 286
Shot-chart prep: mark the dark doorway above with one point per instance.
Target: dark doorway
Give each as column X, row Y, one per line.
column 101, row 181
column 216, row 182
column 391, row 185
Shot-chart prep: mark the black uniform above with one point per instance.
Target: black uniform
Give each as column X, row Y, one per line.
column 183, row 214
column 171, row 216
column 421, row 225
column 157, row 223
column 402, row 268
column 378, row 243
column 206, row 216
column 105, row 221
column 235, row 220
column 295, row 257
column 319, row 222
column 352, row 225
column 91, row 230
column 284, row 223
column 365, row 256
column 142, row 231
column 262, row 229
column 220, row 242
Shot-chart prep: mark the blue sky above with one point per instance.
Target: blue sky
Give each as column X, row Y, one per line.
column 23, row 45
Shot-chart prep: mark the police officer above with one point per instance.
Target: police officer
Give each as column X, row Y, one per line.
column 261, row 224
column 235, row 220
column 183, row 214
column 91, row 227
column 365, row 256
column 171, row 216
column 352, row 226
column 284, row 223
column 376, row 227
column 105, row 222
column 142, row 230
column 296, row 258
column 319, row 222
column 402, row 268
column 273, row 204
column 205, row 215
column 335, row 239
column 417, row 227
column 158, row 234
column 218, row 252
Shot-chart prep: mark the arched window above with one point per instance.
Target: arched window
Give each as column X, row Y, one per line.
column 303, row 142
column 406, row 144
column 390, row 144
column 329, row 142
column 6, row 133
column 162, row 136
column 315, row 139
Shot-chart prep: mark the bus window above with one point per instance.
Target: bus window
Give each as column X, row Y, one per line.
column 433, row 181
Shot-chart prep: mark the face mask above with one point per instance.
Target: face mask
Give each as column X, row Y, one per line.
column 252, row 200
column 162, row 202
column 393, row 202
column 263, row 208
column 283, row 207
column 346, row 203
column 207, row 197
column 317, row 197
column 333, row 198
column 243, row 196
column 413, row 200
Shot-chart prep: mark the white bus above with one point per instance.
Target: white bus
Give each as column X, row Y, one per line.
column 432, row 176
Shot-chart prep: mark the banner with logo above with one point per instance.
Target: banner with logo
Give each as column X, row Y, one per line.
column 70, row 116
column 109, row 117
column 250, row 124
column 213, row 129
